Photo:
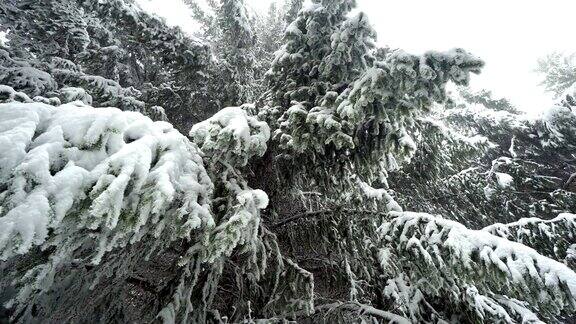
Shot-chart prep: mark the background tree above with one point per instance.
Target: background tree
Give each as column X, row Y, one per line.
column 235, row 43
column 504, row 156
column 230, row 29
column 559, row 72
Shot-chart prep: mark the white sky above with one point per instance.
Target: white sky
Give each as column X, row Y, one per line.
column 509, row 35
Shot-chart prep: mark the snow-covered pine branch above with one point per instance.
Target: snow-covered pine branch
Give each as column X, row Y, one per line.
column 98, row 178
column 128, row 169
column 232, row 135
column 450, row 256
column 553, row 238
column 373, row 116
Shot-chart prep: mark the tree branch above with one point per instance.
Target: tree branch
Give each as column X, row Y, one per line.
column 570, row 180
column 303, row 215
column 365, row 309
column 315, row 213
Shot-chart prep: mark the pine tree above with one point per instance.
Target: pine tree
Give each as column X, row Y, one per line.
column 235, row 43
column 291, row 208
column 229, row 30
column 268, row 30
column 292, row 9
column 120, row 55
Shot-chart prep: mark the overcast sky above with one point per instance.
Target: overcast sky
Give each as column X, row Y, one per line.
column 509, row 35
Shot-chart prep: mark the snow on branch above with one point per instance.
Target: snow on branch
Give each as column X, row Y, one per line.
column 73, row 173
column 110, row 93
column 551, row 238
column 407, row 82
column 557, row 128
column 241, row 228
column 232, row 135
column 373, row 116
column 8, row 94
column 24, row 77
column 448, row 254
column 498, row 308
column 379, row 195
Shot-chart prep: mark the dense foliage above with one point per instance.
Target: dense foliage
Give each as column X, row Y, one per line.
column 242, row 177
